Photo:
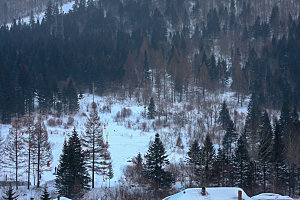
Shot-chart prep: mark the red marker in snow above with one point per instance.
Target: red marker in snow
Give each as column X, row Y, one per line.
column 22, row 133
column 51, row 132
column 64, row 133
column 48, row 164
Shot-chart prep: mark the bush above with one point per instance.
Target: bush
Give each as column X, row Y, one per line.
column 58, row 122
column 51, row 122
column 70, row 121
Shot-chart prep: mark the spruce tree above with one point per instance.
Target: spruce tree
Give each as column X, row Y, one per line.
column 194, row 158
column 242, row 165
column 251, row 127
column 229, row 140
column 219, row 168
column 285, row 117
column 224, row 117
column 72, row 178
column 208, row 159
column 45, row 195
column 10, row 194
column 92, row 141
column 156, row 160
column 279, row 167
column 151, row 109
column 265, row 154
column 194, row 154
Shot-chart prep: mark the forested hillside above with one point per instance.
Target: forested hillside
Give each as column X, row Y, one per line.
column 176, row 57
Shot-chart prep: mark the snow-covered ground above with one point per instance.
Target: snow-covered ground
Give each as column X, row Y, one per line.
column 127, row 136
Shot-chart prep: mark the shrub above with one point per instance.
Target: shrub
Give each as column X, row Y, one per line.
column 51, row 122
column 70, row 121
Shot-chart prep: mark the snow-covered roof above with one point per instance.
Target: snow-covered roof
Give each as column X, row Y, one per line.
column 271, row 196
column 63, row 198
column 218, row 193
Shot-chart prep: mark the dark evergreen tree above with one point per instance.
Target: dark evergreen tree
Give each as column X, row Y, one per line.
column 10, row 194
column 279, row 167
column 285, row 117
column 209, row 155
column 72, row 178
column 230, row 139
column 224, row 117
column 72, row 97
column 45, row 195
column 156, row 160
column 251, row 127
column 242, row 165
column 151, row 109
column 265, row 154
column 194, row 158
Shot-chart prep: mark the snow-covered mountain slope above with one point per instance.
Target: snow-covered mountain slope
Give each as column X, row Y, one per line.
column 219, row 193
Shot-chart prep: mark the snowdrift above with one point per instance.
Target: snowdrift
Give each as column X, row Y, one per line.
column 218, row 193
column 271, row 196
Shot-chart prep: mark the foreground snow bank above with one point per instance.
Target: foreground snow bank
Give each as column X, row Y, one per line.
column 271, row 196
column 219, row 193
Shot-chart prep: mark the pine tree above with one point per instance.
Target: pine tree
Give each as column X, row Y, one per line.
column 279, row 167
column 194, row 158
column 219, row 168
column 138, row 163
column 251, row 127
column 242, row 165
column 92, row 141
column 156, row 160
column 45, row 195
column 208, row 160
column 72, row 178
column 70, row 93
column 151, row 109
column 10, row 194
column 14, row 149
column 224, row 117
column 41, row 149
column 264, row 154
column 285, row 117
column 229, row 140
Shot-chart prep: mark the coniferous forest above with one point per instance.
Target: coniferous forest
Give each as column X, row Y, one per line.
column 170, row 51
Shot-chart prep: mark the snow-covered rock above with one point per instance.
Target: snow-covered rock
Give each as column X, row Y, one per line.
column 218, row 193
column 271, row 196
